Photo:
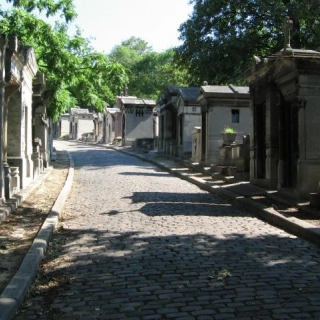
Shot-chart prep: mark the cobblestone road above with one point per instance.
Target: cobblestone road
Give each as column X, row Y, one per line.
column 147, row 245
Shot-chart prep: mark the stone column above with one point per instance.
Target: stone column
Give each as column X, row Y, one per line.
column 3, row 45
column 41, row 125
column 37, row 158
column 272, row 133
column 252, row 146
column 6, row 168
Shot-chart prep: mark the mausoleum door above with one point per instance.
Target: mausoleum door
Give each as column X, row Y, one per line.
column 174, row 125
column 162, row 132
column 180, row 129
column 123, row 129
column 260, row 140
column 289, row 146
column 203, row 135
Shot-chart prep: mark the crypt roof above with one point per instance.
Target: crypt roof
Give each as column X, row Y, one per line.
column 282, row 68
column 264, row 66
column 123, row 102
column 168, row 94
column 78, row 110
column 189, row 94
column 223, row 95
column 212, row 90
column 112, row 110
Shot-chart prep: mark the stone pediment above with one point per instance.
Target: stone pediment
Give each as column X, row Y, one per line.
column 149, row 102
column 222, row 95
column 17, row 57
column 169, row 94
column 284, row 59
column 112, row 110
column 15, row 69
column 189, row 94
column 284, row 68
column 30, row 59
column 38, row 84
column 13, row 65
column 13, row 74
column 124, row 102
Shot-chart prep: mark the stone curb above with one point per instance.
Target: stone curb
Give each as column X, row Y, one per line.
column 15, row 292
column 292, row 225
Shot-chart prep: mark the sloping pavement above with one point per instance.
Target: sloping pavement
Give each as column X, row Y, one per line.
column 222, row 270
column 279, row 209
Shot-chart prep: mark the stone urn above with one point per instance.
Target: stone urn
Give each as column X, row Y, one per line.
column 228, row 138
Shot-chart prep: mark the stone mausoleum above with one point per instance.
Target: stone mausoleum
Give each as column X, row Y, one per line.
column 222, row 106
column 21, row 68
column 137, row 118
column 285, row 144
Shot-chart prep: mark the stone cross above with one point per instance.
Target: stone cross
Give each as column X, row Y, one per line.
column 287, row 26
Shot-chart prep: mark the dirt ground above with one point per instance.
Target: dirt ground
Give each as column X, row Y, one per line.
column 19, row 229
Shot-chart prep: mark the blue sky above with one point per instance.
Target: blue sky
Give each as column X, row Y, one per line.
column 111, row 21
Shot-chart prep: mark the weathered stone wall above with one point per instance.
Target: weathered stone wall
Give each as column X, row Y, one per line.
column 218, row 118
column 84, row 125
column 139, row 125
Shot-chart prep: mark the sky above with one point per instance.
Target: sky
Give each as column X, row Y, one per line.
column 109, row 22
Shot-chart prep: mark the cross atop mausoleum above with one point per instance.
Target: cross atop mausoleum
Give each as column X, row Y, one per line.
column 287, row 26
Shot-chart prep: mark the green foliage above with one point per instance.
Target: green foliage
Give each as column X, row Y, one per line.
column 50, row 7
column 140, row 46
column 75, row 73
column 124, row 55
column 148, row 71
column 221, row 36
column 228, row 130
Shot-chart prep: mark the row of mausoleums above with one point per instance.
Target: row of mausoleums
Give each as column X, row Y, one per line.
column 166, row 126
column 25, row 146
column 132, row 119
column 276, row 120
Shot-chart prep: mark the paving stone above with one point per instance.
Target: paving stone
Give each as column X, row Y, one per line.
column 144, row 244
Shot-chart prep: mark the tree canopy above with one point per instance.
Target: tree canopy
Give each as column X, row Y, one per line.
column 75, row 73
column 50, row 7
column 148, row 71
column 221, row 36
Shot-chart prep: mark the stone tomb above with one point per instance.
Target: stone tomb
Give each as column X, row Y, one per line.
column 137, row 118
column 189, row 116
column 167, row 113
column 98, row 119
column 112, row 122
column 81, row 124
column 40, row 130
column 62, row 127
column 285, row 145
column 21, row 68
column 222, row 106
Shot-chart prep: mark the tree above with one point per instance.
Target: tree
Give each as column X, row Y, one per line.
column 155, row 71
column 75, row 73
column 221, row 36
column 50, row 7
column 140, row 46
column 130, row 52
column 148, row 71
